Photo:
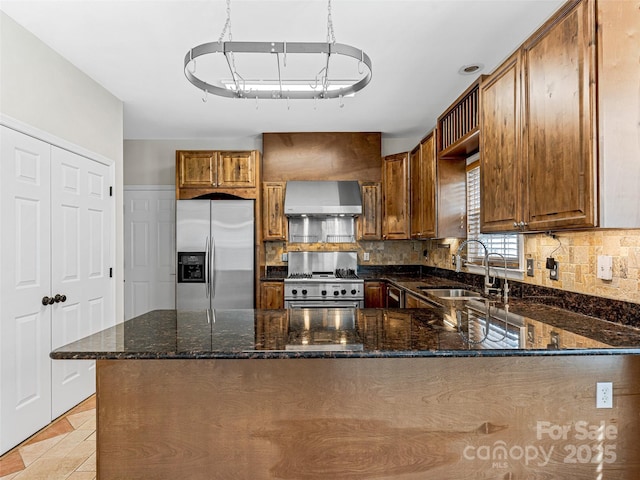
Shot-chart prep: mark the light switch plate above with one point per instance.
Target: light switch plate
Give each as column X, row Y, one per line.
column 529, row 267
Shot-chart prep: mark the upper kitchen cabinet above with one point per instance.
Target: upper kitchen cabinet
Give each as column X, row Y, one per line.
column 195, row 169
column 548, row 148
column 203, row 172
column 274, row 223
column 395, row 197
column 370, row 222
column 423, row 189
column 559, row 121
column 500, row 156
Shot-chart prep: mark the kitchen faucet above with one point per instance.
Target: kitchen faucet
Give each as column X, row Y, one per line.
column 488, row 281
column 505, row 289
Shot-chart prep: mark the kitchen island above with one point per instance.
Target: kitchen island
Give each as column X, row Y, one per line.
column 434, row 393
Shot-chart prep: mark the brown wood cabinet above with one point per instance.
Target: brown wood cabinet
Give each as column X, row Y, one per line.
column 199, row 172
column 423, row 189
column 370, row 222
column 395, row 197
column 542, row 178
column 274, row 222
column 559, row 120
column 271, row 295
column 501, row 163
column 236, row 170
column 414, row 302
column 195, row 169
column 375, row 294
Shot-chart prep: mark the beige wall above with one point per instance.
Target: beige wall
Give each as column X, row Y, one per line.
column 41, row 89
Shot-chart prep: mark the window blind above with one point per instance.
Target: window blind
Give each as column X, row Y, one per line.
column 507, row 244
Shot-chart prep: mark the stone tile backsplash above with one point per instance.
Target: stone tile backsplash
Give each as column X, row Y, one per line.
column 576, row 253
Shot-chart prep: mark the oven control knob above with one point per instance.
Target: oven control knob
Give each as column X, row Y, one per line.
column 324, row 292
column 353, row 292
column 304, row 292
column 336, row 292
column 344, row 292
column 294, row 292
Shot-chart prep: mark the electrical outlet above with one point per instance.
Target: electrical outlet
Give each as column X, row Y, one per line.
column 285, row 257
column 604, row 395
column 529, row 267
column 553, row 273
column 365, row 256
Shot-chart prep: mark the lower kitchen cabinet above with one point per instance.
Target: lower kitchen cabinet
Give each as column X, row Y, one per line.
column 272, row 295
column 414, row 302
column 374, row 294
column 55, row 284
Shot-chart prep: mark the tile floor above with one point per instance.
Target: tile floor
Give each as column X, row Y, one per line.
column 64, row 450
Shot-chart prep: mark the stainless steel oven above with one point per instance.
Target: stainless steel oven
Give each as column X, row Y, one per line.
column 323, row 304
column 323, row 280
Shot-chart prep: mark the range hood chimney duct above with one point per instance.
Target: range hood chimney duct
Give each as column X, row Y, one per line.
column 322, row 198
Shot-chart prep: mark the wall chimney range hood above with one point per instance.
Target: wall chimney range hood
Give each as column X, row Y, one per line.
column 322, row 198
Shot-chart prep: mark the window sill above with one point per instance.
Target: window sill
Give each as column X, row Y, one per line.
column 512, row 273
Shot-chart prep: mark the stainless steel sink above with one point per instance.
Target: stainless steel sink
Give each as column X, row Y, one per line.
column 453, row 293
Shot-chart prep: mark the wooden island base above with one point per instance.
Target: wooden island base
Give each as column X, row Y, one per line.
column 368, row 418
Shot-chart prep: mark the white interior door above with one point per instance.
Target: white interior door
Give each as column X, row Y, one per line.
column 25, row 276
column 149, row 244
column 81, row 283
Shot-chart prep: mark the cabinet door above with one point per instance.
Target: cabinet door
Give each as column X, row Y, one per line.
column 414, row 302
column 500, row 156
column 195, row 169
column 25, row 278
column 395, row 197
column 81, row 216
column 236, row 170
column 370, row 223
column 560, row 117
column 271, row 295
column 374, row 294
column 428, row 188
column 274, row 221
column 415, row 194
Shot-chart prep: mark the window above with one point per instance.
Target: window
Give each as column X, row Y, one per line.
column 507, row 244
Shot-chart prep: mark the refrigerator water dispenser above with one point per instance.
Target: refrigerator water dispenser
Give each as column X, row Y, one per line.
column 191, row 266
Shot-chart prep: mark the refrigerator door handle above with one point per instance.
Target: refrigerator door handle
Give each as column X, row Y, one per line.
column 212, row 277
column 207, row 273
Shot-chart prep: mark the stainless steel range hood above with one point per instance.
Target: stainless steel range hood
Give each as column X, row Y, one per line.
column 314, row 198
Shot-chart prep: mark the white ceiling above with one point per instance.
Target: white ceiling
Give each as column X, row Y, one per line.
column 135, row 49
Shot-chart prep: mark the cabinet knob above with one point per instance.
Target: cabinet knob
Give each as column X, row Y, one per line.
column 47, row 300
column 60, row 298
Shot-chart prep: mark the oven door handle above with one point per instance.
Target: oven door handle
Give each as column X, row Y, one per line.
column 354, row 304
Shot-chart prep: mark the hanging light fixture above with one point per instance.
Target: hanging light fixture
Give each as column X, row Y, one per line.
column 296, row 80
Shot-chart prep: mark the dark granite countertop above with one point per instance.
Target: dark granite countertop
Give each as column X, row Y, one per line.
column 457, row 329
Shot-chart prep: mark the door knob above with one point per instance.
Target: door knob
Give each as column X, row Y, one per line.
column 47, row 300
column 60, row 298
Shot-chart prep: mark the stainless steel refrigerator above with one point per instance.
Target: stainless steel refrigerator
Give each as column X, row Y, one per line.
column 215, row 254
